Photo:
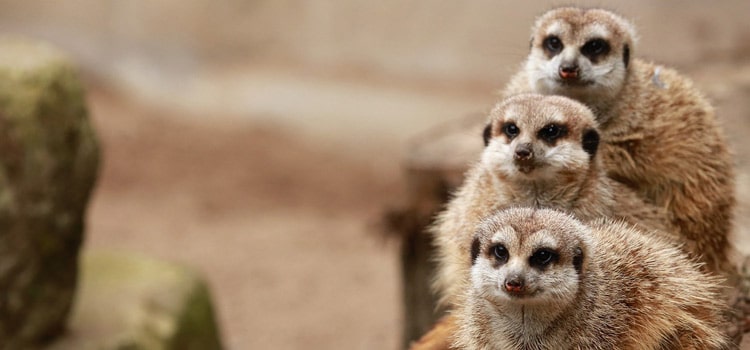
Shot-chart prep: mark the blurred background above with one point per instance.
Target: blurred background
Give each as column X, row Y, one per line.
column 260, row 141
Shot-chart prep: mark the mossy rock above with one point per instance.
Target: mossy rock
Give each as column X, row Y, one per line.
column 49, row 159
column 128, row 302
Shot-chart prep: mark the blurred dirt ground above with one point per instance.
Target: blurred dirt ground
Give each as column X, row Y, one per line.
column 277, row 222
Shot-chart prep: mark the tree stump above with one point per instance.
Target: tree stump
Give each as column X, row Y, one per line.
column 49, row 158
column 434, row 167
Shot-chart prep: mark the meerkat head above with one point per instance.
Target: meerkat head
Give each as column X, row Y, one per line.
column 529, row 257
column 534, row 137
column 580, row 53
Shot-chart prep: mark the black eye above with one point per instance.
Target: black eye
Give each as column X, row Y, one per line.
column 543, row 257
column 595, row 47
column 501, row 254
column 511, row 130
column 551, row 132
column 553, row 44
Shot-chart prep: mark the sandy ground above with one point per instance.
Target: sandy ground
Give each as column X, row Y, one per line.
column 283, row 227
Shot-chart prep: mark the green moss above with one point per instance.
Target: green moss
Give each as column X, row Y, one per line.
column 45, row 182
column 138, row 303
column 197, row 328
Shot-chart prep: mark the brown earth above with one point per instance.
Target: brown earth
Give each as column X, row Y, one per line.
column 282, row 226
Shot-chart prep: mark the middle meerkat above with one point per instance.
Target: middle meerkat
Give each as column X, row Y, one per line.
column 659, row 135
column 541, row 152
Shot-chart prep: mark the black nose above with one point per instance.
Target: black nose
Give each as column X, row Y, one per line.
column 524, row 152
column 569, row 71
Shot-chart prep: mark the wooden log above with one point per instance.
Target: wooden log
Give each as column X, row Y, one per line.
column 434, row 166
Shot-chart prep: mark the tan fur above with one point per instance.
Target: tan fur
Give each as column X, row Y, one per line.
column 565, row 177
column 439, row 337
column 630, row 290
column 659, row 134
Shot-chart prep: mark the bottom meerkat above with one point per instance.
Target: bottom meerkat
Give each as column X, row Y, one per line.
column 541, row 279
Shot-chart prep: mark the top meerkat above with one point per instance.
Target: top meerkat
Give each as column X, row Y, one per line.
column 659, row 135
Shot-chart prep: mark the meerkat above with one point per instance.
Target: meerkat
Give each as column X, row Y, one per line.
column 541, row 151
column 659, row 134
column 541, row 279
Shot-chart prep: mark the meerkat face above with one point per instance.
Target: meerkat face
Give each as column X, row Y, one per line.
column 580, row 53
column 530, row 257
column 534, row 137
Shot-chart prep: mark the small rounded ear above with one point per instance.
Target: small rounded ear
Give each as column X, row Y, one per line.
column 487, row 134
column 474, row 250
column 578, row 259
column 626, row 55
column 590, row 142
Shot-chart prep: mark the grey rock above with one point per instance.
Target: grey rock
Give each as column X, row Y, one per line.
column 49, row 158
column 135, row 303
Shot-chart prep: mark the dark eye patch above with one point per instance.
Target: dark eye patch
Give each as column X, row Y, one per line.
column 487, row 134
column 474, row 250
column 552, row 132
column 543, row 257
column 590, row 142
column 626, row 55
column 595, row 48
